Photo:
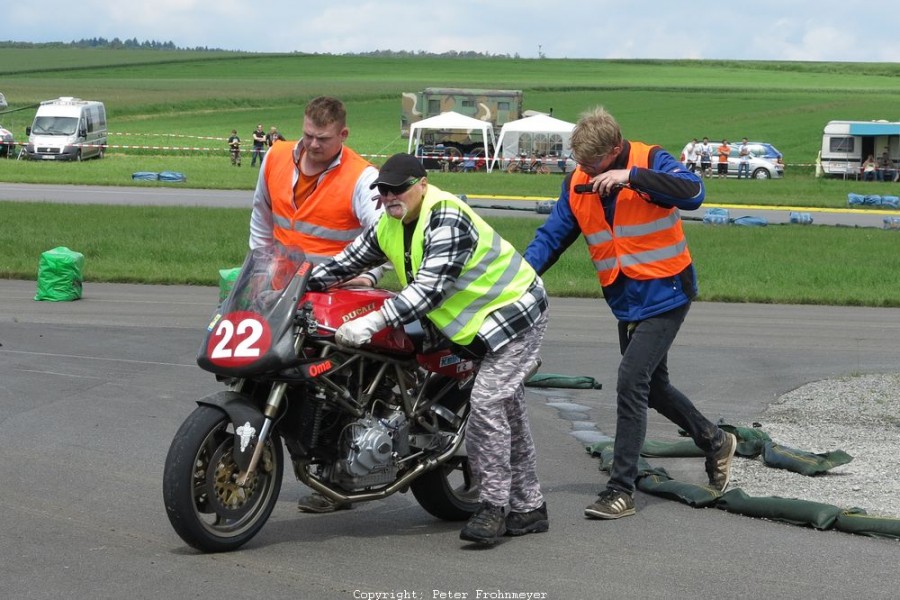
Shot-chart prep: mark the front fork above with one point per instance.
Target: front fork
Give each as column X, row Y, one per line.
column 273, row 402
column 270, row 410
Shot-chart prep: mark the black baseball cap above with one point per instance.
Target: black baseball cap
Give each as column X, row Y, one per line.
column 399, row 170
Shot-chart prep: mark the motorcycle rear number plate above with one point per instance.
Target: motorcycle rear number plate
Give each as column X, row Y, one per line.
column 239, row 339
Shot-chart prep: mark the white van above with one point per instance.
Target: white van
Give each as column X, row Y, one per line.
column 67, row 129
column 846, row 144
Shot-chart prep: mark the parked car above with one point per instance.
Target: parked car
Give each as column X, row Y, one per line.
column 7, row 145
column 766, row 162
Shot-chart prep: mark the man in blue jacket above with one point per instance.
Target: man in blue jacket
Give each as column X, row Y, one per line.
column 624, row 198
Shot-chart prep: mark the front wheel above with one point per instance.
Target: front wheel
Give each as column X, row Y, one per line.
column 761, row 174
column 205, row 505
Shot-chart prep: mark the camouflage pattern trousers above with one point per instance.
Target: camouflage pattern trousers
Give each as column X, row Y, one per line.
column 498, row 436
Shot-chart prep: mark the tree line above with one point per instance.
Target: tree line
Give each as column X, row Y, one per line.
column 134, row 43
column 115, row 44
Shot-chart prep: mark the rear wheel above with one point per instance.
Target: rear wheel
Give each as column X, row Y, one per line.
column 204, row 503
column 448, row 491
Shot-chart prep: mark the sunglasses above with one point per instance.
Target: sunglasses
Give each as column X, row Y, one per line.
column 397, row 190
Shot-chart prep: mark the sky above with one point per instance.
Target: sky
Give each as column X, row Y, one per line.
column 823, row 30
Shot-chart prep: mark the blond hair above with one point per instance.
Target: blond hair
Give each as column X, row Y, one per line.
column 595, row 135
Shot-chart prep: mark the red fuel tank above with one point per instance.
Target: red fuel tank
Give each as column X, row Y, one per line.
column 335, row 307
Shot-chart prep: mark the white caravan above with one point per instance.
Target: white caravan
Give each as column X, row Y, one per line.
column 847, row 144
column 67, row 129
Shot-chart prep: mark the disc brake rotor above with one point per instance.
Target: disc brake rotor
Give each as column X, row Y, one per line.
column 228, row 499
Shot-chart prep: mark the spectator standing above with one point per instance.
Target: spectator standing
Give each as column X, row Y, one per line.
column 636, row 242
column 690, row 155
column 886, row 166
column 722, row 167
column 460, row 278
column 744, row 159
column 234, row 148
column 705, row 158
column 259, row 145
column 273, row 136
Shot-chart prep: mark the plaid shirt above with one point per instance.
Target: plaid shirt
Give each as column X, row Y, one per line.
column 450, row 239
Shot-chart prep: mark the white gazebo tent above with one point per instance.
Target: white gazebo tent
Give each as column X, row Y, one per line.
column 536, row 135
column 451, row 121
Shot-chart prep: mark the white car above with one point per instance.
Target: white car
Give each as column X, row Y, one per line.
column 766, row 162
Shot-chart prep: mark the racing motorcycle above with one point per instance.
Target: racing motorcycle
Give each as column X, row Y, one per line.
column 358, row 424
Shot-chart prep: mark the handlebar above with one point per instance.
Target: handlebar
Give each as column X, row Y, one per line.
column 588, row 188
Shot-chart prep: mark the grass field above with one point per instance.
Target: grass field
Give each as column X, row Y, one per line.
column 185, row 100
column 181, row 99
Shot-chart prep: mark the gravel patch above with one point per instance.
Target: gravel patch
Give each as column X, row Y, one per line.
column 860, row 415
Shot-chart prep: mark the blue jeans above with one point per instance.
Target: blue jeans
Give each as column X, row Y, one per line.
column 744, row 168
column 643, row 381
column 258, row 152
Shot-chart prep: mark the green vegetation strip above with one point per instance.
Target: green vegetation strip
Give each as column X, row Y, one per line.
column 173, row 245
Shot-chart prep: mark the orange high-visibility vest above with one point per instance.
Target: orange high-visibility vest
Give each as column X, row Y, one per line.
column 324, row 223
column 645, row 240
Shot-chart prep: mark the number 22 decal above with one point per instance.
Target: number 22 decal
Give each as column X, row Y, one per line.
column 245, row 348
column 239, row 338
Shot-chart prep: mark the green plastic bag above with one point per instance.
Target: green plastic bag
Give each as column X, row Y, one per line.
column 855, row 520
column 658, row 483
column 775, row 508
column 556, row 380
column 750, row 439
column 60, row 275
column 801, row 461
column 660, row 448
column 227, row 277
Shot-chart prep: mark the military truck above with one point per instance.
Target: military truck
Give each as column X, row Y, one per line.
column 494, row 106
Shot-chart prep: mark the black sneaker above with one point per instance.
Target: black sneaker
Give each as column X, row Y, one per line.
column 611, row 504
column 486, row 526
column 533, row 521
column 718, row 464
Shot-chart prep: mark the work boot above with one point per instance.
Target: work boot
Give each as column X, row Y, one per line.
column 317, row 503
column 532, row 521
column 486, row 526
column 611, row 504
column 718, row 464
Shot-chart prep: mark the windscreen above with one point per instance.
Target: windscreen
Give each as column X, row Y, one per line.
column 44, row 125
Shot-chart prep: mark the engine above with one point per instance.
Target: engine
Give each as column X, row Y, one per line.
column 372, row 446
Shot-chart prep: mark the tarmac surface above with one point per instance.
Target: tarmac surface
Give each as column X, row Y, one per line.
column 503, row 206
column 93, row 391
